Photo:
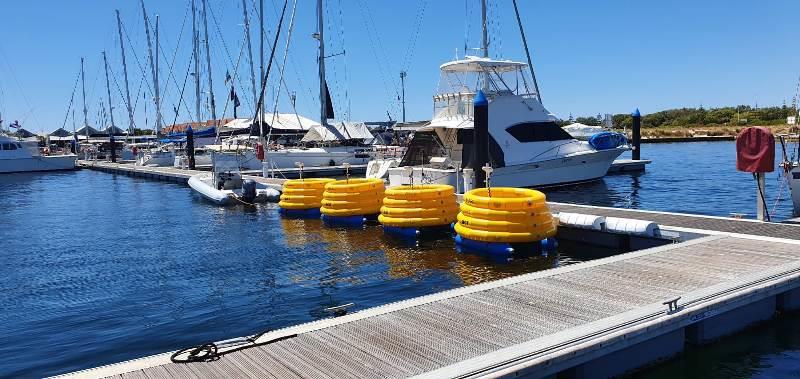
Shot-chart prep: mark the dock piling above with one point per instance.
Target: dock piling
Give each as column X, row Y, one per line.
column 636, row 134
column 481, row 138
column 190, row 147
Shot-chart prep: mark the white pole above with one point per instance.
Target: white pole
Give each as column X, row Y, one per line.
column 323, row 99
column 196, row 52
column 125, row 73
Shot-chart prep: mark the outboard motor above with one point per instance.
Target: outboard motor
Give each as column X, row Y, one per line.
column 249, row 190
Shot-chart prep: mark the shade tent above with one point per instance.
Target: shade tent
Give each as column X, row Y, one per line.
column 83, row 131
column 60, row 132
column 280, row 121
column 115, row 130
column 22, row 133
column 339, row 132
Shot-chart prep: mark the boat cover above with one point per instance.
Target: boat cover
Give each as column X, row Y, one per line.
column 755, row 150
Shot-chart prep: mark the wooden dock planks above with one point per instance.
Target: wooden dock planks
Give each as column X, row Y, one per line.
column 416, row 336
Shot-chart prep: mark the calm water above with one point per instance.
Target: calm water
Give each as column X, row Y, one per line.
column 697, row 177
column 98, row 268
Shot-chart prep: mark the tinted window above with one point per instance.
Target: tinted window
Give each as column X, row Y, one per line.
column 5, row 147
column 12, row 146
column 538, row 131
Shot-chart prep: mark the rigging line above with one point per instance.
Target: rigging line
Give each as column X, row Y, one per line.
column 19, row 87
column 411, row 48
column 227, row 53
column 281, row 71
column 265, row 79
column 310, row 97
column 183, row 89
column 136, row 57
column 381, row 73
column 235, row 75
column 71, row 99
column 171, row 64
column 527, row 52
column 344, row 58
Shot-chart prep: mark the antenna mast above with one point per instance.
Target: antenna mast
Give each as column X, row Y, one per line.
column 485, row 41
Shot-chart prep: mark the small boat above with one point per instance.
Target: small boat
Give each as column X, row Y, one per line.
column 18, row 156
column 225, row 184
column 791, row 166
column 583, row 132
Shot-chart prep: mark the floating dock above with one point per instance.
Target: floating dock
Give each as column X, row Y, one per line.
column 173, row 174
column 593, row 319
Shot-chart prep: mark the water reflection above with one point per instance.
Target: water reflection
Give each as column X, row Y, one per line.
column 352, row 247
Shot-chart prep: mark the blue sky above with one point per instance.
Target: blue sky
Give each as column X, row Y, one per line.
column 590, row 56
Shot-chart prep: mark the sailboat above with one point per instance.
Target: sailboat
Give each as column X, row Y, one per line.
column 527, row 148
column 326, row 143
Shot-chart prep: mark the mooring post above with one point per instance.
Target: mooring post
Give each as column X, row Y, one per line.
column 190, row 147
column 113, row 147
column 636, row 132
column 481, row 138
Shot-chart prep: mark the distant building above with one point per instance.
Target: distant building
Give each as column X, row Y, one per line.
column 791, row 120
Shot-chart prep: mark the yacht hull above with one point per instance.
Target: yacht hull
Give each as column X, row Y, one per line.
column 38, row 163
column 562, row 171
column 288, row 159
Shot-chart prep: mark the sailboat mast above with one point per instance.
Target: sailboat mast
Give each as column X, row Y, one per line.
column 249, row 49
column 125, row 74
column 195, row 53
column 152, row 66
column 85, row 111
column 323, row 98
column 211, row 103
column 261, row 64
column 108, row 92
column 485, row 32
column 159, row 121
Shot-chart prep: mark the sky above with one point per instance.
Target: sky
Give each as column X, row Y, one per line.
column 590, row 57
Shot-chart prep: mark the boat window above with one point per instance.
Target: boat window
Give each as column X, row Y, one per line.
column 538, row 131
column 5, row 147
column 12, row 146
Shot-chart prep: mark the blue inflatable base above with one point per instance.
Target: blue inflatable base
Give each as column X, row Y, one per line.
column 499, row 248
column 301, row 213
column 357, row 220
column 401, row 232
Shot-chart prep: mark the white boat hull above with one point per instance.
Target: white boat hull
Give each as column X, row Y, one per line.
column 315, row 158
column 38, row 163
column 567, row 170
column 159, row 159
column 204, row 186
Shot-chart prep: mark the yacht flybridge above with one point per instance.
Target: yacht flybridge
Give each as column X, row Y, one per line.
column 527, row 148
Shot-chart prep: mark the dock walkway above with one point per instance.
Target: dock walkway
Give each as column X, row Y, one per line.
column 688, row 221
column 591, row 319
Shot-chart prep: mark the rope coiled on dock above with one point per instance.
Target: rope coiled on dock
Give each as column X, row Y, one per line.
column 208, row 352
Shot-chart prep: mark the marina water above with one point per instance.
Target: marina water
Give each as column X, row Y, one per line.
column 99, row 268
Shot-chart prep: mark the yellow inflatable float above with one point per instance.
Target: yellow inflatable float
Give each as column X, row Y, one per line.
column 350, row 201
column 302, row 196
column 406, row 208
column 504, row 216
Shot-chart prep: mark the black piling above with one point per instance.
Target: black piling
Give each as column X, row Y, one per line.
column 636, row 134
column 190, row 146
column 113, row 147
column 481, row 138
